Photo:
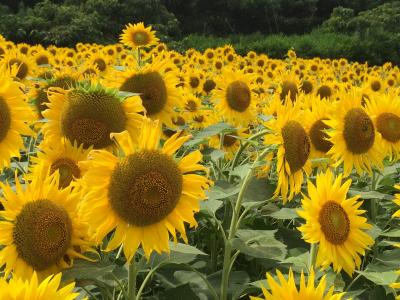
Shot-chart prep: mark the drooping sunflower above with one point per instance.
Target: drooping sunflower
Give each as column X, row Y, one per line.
column 144, row 195
column 88, row 114
column 136, row 36
column 41, row 229
column 286, row 289
column 294, row 146
column 384, row 110
column 15, row 115
column 156, row 83
column 356, row 142
column 32, row 289
column 335, row 223
column 235, row 101
column 62, row 157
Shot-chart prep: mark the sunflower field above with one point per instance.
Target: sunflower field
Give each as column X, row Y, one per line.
column 130, row 171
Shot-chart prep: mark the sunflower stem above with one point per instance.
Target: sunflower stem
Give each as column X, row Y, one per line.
column 242, row 148
column 374, row 207
column 313, row 256
column 132, row 274
column 139, row 58
column 228, row 258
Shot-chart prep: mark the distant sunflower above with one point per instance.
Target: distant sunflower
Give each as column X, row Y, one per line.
column 356, row 143
column 88, row 115
column 385, row 112
column 136, row 36
column 335, row 222
column 146, row 194
column 21, row 65
column 62, row 157
column 286, row 289
column 294, row 146
column 157, row 88
column 15, row 115
column 230, row 143
column 234, row 98
column 41, row 228
column 32, row 289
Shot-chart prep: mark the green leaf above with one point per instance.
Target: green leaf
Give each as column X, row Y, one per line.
column 259, row 190
column 259, row 244
column 380, row 278
column 210, row 206
column 217, row 154
column 208, row 132
column 179, row 254
column 370, row 195
column 222, row 191
column 83, row 269
column 284, row 214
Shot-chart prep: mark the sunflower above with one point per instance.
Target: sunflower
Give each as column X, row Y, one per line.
column 62, row 157
column 286, row 289
column 31, row 289
column 294, row 146
column 230, row 143
column 88, row 114
column 43, row 58
column 20, row 65
column 144, row 195
column 137, row 36
column 15, row 114
column 156, row 86
column 64, row 81
column 289, row 86
column 385, row 112
column 356, row 143
column 192, row 105
column 334, row 222
column 41, row 228
column 314, row 118
column 234, row 98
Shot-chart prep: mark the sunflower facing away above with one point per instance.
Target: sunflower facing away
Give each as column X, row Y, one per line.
column 286, row 289
column 41, row 228
column 136, row 36
column 144, row 195
column 293, row 144
column 19, row 289
column 335, row 222
column 88, row 115
column 356, row 143
column 15, row 114
column 234, row 99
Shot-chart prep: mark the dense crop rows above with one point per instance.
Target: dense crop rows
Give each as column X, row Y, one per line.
column 133, row 172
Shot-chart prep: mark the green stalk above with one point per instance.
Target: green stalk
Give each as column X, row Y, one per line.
column 233, row 228
column 313, row 256
column 132, row 274
column 242, row 148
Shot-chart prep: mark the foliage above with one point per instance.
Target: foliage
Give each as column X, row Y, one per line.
column 76, row 21
column 378, row 48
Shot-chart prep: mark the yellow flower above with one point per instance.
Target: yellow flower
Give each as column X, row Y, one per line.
column 293, row 144
column 235, row 101
column 89, row 115
column 356, row 143
column 156, row 84
column 286, row 289
column 15, row 114
column 41, row 227
column 385, row 112
column 334, row 222
column 144, row 195
column 18, row 289
column 136, row 36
